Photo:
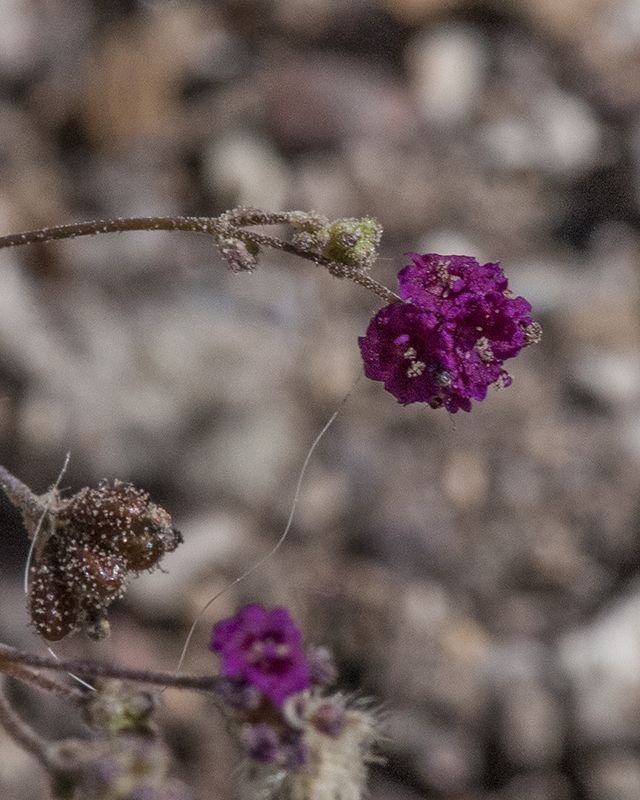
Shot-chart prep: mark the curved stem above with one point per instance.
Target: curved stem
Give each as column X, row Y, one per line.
column 338, row 269
column 22, row 497
column 233, row 220
column 241, row 217
column 236, row 217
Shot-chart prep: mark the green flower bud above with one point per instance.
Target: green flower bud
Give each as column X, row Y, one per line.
column 353, row 242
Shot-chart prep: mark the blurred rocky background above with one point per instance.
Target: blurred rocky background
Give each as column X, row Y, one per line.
column 479, row 574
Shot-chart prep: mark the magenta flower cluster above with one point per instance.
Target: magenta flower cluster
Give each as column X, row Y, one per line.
column 264, row 650
column 448, row 343
column 263, row 667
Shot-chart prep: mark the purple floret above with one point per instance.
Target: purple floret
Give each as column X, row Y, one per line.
column 433, row 277
column 447, row 345
column 408, row 353
column 260, row 741
column 265, row 649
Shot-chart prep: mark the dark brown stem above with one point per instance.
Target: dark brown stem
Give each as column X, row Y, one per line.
column 92, row 670
column 24, row 735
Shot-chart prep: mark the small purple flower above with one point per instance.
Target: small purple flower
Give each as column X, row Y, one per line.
column 239, row 693
column 447, row 345
column 144, row 793
column 265, row 649
column 263, row 743
column 260, row 741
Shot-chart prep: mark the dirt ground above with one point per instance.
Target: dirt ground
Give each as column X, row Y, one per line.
column 477, row 574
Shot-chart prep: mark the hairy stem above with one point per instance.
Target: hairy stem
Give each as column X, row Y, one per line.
column 237, row 217
column 120, row 225
column 21, row 496
column 241, row 217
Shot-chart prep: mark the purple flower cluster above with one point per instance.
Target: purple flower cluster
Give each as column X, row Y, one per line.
column 447, row 345
column 265, row 670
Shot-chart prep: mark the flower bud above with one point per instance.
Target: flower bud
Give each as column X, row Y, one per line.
column 353, row 242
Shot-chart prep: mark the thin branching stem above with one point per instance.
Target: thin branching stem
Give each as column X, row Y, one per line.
column 32, row 677
column 24, row 735
column 237, row 217
column 91, row 670
column 119, row 225
column 242, row 217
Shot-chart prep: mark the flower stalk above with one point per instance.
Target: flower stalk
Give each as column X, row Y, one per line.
column 345, row 247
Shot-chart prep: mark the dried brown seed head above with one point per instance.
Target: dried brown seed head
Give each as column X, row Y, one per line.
column 99, row 538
